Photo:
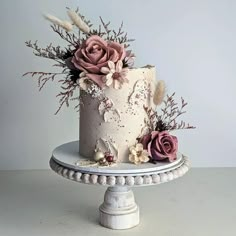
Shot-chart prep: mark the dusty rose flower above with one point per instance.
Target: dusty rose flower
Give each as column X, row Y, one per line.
column 115, row 74
column 94, row 54
column 138, row 154
column 160, row 145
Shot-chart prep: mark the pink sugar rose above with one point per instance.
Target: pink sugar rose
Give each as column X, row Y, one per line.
column 160, row 145
column 94, row 54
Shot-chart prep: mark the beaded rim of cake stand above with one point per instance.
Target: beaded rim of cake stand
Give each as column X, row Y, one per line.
column 131, row 180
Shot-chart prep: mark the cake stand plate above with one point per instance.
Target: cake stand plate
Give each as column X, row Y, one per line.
column 119, row 209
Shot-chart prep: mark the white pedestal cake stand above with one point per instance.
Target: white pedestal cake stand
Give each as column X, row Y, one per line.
column 119, row 210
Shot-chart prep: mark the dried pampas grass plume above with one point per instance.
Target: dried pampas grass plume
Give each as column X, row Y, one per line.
column 159, row 92
column 77, row 20
column 66, row 25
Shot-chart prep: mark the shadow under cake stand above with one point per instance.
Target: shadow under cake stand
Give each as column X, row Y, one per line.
column 119, row 210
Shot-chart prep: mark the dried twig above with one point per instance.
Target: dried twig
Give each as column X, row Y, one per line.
column 112, row 35
column 50, row 52
column 43, row 77
column 68, row 88
column 171, row 112
column 167, row 120
column 68, row 37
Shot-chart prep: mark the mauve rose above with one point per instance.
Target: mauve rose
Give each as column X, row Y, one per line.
column 94, row 54
column 160, row 145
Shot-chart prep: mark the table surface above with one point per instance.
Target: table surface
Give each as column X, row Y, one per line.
column 36, row 203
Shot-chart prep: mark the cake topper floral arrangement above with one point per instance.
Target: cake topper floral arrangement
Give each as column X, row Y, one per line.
column 96, row 59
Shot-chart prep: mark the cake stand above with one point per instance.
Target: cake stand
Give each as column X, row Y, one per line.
column 119, row 210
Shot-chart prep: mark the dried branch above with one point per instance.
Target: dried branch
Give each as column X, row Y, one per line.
column 181, row 125
column 68, row 88
column 112, row 35
column 50, row 52
column 68, row 37
column 152, row 117
column 77, row 106
column 43, row 77
column 105, row 26
column 167, row 120
column 171, row 112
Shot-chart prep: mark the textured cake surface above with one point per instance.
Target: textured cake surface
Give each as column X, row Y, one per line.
column 115, row 122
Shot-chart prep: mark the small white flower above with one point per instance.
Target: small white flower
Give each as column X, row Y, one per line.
column 115, row 74
column 138, row 154
column 83, row 81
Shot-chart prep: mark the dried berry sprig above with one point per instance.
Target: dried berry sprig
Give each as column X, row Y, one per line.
column 43, row 77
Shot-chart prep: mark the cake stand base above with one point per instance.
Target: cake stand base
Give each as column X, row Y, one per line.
column 119, row 210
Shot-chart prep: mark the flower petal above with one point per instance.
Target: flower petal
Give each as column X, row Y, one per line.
column 82, row 74
column 145, row 140
column 137, row 162
column 109, row 80
column 82, row 83
column 118, row 48
column 119, row 66
column 116, row 84
column 105, row 70
column 111, row 65
column 144, row 159
column 139, row 147
column 131, row 158
column 133, row 151
column 145, row 153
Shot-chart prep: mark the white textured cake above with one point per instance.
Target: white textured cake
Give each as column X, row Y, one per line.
column 120, row 119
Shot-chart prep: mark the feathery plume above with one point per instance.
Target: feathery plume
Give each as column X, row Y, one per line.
column 159, row 92
column 66, row 25
column 77, row 20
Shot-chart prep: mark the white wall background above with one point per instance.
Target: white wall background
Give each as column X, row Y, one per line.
column 192, row 43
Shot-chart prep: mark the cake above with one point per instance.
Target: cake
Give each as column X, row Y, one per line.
column 125, row 113
column 118, row 119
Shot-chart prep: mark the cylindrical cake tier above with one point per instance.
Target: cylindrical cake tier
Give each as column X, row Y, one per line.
column 117, row 120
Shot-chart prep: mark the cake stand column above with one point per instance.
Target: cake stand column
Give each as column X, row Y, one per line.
column 119, row 210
